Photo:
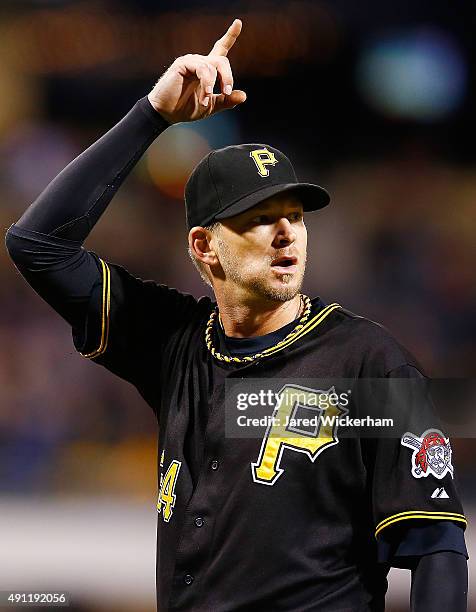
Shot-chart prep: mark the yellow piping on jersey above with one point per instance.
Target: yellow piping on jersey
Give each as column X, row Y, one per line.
column 310, row 325
column 420, row 514
column 106, row 307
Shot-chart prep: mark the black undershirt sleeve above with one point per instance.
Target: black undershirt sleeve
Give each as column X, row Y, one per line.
column 46, row 242
column 72, row 203
column 440, row 578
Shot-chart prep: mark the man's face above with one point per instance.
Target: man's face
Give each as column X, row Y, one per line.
column 263, row 250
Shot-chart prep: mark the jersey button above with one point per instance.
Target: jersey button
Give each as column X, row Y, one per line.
column 199, row 521
column 188, row 579
column 214, row 464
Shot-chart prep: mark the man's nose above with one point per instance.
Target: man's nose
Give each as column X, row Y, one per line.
column 285, row 233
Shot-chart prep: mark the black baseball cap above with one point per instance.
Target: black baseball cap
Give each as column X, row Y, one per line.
column 228, row 181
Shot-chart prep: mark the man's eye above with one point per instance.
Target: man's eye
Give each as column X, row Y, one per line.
column 261, row 219
column 297, row 216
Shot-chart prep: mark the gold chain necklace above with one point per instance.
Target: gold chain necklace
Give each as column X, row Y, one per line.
column 208, row 335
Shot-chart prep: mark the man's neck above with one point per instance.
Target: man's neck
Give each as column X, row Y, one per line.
column 256, row 319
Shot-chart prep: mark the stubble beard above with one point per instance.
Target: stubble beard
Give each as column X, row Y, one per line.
column 233, row 268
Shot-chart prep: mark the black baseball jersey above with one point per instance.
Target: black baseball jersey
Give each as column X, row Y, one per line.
column 263, row 523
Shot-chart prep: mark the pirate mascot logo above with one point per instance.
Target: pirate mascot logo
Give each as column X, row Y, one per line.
column 431, row 453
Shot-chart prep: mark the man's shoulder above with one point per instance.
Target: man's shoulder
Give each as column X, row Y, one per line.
column 363, row 327
column 361, row 336
column 357, row 325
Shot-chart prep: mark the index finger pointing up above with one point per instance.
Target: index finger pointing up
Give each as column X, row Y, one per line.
column 226, row 42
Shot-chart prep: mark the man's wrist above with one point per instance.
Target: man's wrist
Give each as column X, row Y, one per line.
column 157, row 119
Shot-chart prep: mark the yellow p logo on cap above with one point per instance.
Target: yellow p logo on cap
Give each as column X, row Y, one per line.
column 263, row 158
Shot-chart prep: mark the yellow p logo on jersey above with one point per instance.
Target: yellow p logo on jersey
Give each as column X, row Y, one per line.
column 263, row 158
column 266, row 470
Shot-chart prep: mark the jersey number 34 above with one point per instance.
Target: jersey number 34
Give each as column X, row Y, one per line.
column 166, row 500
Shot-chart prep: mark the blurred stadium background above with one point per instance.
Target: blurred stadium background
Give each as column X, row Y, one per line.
column 376, row 102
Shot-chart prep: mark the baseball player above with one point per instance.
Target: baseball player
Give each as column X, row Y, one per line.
column 300, row 522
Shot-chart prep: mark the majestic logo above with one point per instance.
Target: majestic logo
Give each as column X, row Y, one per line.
column 294, row 399
column 440, row 493
column 263, row 158
column 431, row 453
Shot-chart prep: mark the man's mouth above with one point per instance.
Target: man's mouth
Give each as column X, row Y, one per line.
column 285, row 264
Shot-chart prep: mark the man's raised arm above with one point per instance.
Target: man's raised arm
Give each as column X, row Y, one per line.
column 51, row 231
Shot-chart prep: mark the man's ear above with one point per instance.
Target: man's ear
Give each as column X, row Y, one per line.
column 199, row 240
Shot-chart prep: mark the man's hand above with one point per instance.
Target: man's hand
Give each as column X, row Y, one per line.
column 185, row 91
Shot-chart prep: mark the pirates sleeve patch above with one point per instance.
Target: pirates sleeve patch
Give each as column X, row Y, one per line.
column 431, row 453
